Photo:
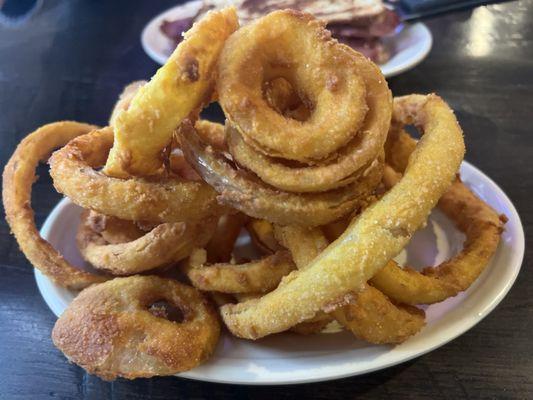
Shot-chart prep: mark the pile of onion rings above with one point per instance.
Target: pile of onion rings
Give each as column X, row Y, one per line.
column 285, row 218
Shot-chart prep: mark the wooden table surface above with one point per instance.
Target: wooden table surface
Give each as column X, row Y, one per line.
column 73, row 58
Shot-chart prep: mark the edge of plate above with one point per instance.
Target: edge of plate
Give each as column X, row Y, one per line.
column 413, row 62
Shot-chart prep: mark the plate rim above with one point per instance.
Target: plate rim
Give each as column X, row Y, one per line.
column 388, row 71
column 465, row 324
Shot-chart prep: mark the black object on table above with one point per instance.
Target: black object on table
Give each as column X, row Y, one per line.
column 71, row 61
column 413, row 9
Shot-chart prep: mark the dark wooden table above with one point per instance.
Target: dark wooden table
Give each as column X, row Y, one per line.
column 71, row 61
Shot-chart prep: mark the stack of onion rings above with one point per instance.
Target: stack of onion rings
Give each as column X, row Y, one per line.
column 324, row 165
column 373, row 238
column 312, row 139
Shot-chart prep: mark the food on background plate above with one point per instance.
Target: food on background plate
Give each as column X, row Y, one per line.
column 312, row 164
column 361, row 24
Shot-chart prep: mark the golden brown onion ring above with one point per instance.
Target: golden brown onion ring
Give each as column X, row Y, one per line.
column 125, row 328
column 178, row 166
column 165, row 244
column 477, row 220
column 180, row 87
column 344, row 169
column 165, row 200
column 297, row 47
column 305, row 245
column 18, row 178
column 368, row 314
column 113, row 230
column 239, row 190
column 373, row 238
column 253, row 277
column 482, row 227
column 371, row 316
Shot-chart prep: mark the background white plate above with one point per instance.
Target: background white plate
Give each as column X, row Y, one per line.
column 289, row 358
column 409, row 47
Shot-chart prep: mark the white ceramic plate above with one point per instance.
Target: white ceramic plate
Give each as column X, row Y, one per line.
column 409, row 47
column 288, row 358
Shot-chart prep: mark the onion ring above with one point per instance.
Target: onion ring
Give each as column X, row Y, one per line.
column 369, row 314
column 112, row 230
column 122, row 328
column 165, row 200
column 260, row 52
column 344, row 170
column 373, row 238
column 482, row 227
column 165, row 244
column 179, row 88
column 253, row 277
column 18, row 178
column 258, row 200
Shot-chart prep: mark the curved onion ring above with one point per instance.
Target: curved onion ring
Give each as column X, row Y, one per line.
column 369, row 314
column 241, row 191
column 165, row 244
column 295, row 46
column 253, row 277
column 477, row 220
column 179, row 88
column 165, row 200
column 345, row 169
column 119, row 329
column 373, row 238
column 18, row 178
column 112, row 230
column 482, row 227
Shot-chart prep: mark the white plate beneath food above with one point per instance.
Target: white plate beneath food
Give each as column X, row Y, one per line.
column 289, row 358
column 409, row 46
